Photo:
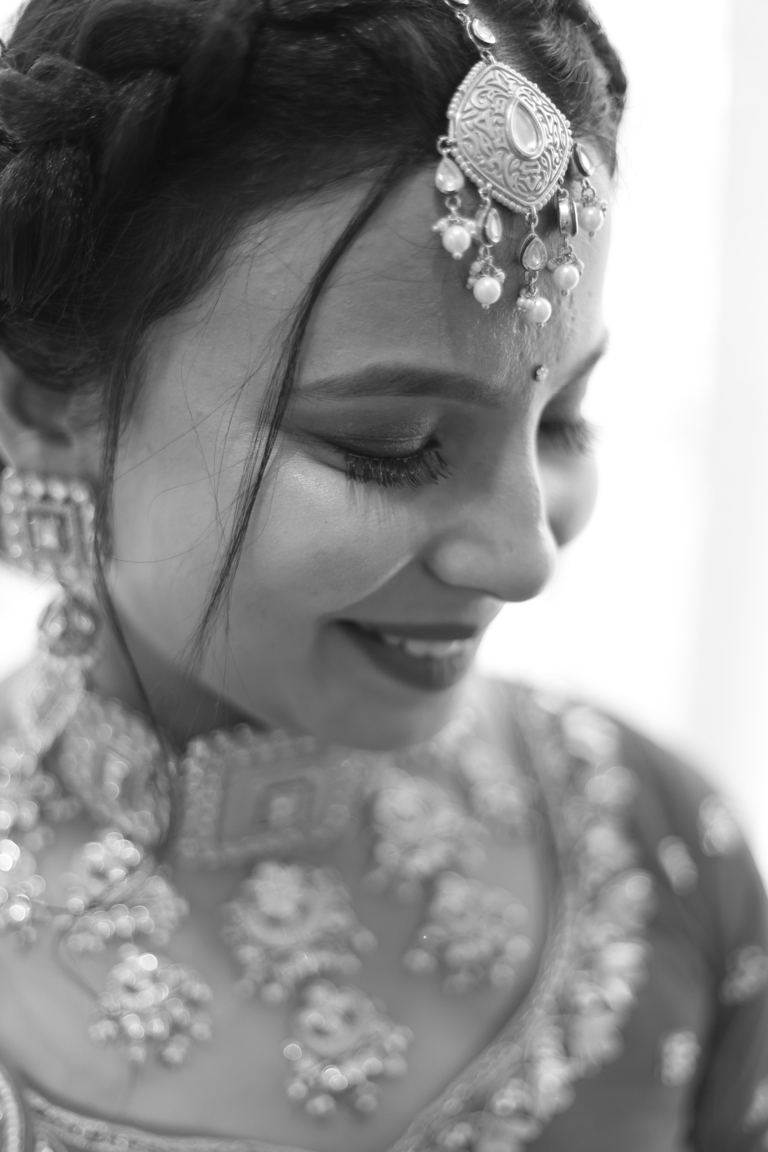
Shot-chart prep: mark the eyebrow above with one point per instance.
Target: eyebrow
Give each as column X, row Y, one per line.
column 398, row 379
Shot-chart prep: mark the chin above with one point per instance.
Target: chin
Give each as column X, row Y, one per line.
column 377, row 722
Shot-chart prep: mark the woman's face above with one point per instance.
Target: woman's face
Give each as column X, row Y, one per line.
column 357, row 606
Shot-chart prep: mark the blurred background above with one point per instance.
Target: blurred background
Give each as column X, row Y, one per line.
column 660, row 612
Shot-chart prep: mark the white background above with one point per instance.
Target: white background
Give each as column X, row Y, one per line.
column 661, row 610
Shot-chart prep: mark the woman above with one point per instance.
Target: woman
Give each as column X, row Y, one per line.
column 280, row 871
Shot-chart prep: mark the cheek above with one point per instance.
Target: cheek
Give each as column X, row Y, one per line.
column 167, row 537
column 318, row 542
column 570, row 493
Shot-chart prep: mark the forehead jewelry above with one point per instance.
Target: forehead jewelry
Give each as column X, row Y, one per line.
column 509, row 139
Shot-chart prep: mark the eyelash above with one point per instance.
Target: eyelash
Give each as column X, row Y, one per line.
column 425, row 467
column 576, row 436
column 429, row 467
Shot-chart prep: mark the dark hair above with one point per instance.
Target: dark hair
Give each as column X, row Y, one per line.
column 138, row 136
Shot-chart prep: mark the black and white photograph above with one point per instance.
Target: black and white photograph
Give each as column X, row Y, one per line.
column 383, row 576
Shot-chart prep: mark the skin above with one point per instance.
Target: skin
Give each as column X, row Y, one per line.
column 321, row 548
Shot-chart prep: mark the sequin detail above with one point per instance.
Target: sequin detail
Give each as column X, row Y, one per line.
column 678, row 1058
column 718, row 831
column 595, row 963
column 747, row 975
column 678, row 864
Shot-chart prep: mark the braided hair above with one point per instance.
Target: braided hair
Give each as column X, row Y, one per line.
column 138, row 136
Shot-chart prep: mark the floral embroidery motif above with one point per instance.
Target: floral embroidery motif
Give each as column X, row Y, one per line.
column 747, row 975
column 677, row 862
column 718, row 831
column 574, row 1021
column 678, row 1056
column 588, row 980
column 342, row 1045
column 289, row 923
column 472, row 934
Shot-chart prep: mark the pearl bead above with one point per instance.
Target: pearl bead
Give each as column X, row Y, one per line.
column 487, row 290
column 525, row 303
column 566, row 277
column 591, row 217
column 540, row 312
column 456, row 240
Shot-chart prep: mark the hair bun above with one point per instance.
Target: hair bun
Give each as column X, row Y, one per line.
column 45, row 200
column 135, row 130
column 122, row 38
column 217, row 63
column 56, row 102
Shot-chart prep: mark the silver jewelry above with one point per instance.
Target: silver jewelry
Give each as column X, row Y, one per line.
column 290, row 923
column 472, row 935
column 47, row 528
column 512, row 142
column 342, row 1043
column 46, row 525
column 294, row 794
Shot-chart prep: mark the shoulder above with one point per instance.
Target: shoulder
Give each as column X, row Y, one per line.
column 669, row 795
column 688, row 837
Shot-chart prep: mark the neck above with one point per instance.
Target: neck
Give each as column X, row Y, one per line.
column 134, row 674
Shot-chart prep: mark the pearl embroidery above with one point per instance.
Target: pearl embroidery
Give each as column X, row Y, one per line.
column 718, row 831
column 747, row 975
column 678, row 1056
column 677, row 862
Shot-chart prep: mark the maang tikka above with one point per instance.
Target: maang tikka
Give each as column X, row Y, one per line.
column 512, row 142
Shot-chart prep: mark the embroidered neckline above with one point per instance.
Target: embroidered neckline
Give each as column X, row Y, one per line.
column 570, row 1023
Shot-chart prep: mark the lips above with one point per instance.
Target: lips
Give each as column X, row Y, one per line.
column 429, row 656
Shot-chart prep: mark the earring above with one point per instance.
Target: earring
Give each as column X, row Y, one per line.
column 46, row 525
column 46, row 528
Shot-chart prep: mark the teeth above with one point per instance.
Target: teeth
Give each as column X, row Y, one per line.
column 434, row 649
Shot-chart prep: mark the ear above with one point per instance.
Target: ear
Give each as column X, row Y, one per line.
column 46, row 431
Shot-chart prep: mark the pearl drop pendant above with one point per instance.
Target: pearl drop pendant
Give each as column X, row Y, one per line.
column 566, row 278
column 457, row 240
column 536, row 309
column 591, row 218
column 487, row 290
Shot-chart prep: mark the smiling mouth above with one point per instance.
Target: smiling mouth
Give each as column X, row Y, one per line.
column 430, row 656
column 419, row 648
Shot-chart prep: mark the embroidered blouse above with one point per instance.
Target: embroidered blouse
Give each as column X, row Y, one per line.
column 646, row 1029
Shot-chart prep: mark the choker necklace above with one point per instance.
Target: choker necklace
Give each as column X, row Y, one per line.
column 267, row 801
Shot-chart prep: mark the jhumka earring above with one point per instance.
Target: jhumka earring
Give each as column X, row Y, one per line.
column 509, row 139
column 46, row 528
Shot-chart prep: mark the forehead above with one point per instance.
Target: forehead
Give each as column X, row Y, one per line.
column 397, row 296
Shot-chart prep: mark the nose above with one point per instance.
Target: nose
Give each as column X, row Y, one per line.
column 497, row 540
